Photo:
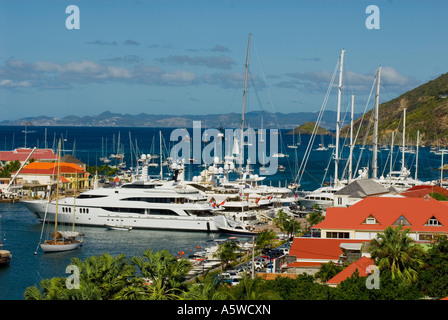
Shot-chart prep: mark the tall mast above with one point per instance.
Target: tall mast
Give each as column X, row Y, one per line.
column 57, row 192
column 416, row 156
column 244, row 100
column 404, row 141
column 375, row 126
column 336, row 158
column 161, row 154
column 391, row 166
column 351, row 143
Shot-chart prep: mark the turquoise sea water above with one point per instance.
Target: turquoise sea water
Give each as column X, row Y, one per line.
column 20, row 231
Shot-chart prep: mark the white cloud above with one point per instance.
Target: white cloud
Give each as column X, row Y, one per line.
column 318, row 81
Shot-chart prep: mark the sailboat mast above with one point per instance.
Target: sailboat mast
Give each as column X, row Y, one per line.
column 350, row 159
column 161, row 155
column 74, row 198
column 57, row 191
column 375, row 126
column 416, row 156
column 404, row 140
column 244, row 100
column 336, row 158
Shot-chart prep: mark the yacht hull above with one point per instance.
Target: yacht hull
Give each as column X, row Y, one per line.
column 97, row 216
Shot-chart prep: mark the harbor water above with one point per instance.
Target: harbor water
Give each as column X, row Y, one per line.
column 20, row 231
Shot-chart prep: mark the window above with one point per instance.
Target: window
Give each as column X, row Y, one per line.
column 426, row 236
column 402, row 221
column 433, row 222
column 90, row 196
column 370, row 220
column 338, row 235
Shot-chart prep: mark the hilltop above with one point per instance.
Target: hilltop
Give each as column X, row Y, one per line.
column 426, row 111
column 308, row 127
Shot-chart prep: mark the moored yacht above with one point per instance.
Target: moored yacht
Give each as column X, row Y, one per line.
column 153, row 204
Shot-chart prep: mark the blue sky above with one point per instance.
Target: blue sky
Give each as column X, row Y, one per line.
column 187, row 56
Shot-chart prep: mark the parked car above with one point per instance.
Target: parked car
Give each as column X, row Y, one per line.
column 257, row 265
column 235, row 280
column 264, row 261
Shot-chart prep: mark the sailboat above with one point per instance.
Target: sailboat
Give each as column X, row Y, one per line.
column 61, row 240
column 293, row 145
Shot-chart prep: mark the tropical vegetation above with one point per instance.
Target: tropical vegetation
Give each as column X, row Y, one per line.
column 407, row 272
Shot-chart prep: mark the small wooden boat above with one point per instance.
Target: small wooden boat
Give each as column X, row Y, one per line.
column 63, row 241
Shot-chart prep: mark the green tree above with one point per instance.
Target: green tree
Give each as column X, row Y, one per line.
column 9, row 168
column 327, row 271
column 251, row 289
column 286, row 223
column 100, row 278
column 303, row 287
column 393, row 250
column 210, row 288
column 265, row 239
column 315, row 216
column 433, row 278
column 226, row 253
column 391, row 288
column 164, row 274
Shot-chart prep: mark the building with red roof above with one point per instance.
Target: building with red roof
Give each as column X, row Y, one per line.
column 39, row 177
column 425, row 217
column 22, row 153
column 423, row 191
column 364, row 265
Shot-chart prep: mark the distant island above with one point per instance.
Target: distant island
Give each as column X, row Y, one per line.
column 308, row 128
column 253, row 119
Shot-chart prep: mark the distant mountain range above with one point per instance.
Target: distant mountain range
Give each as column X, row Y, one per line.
column 254, row 119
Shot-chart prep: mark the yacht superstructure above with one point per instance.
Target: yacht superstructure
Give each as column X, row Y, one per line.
column 153, row 204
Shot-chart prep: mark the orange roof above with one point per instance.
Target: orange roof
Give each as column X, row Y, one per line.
column 386, row 211
column 361, row 264
column 51, row 168
column 318, row 248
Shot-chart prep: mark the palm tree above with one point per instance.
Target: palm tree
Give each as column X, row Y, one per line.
column 100, row 278
column 286, row 223
column 165, row 274
column 207, row 289
column 393, row 250
column 226, row 253
column 265, row 238
column 249, row 289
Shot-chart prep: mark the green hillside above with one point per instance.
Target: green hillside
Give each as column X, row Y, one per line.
column 426, row 111
column 307, row 128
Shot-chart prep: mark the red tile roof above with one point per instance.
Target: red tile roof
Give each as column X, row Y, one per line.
column 386, row 211
column 318, row 248
column 22, row 153
column 361, row 264
column 421, row 191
